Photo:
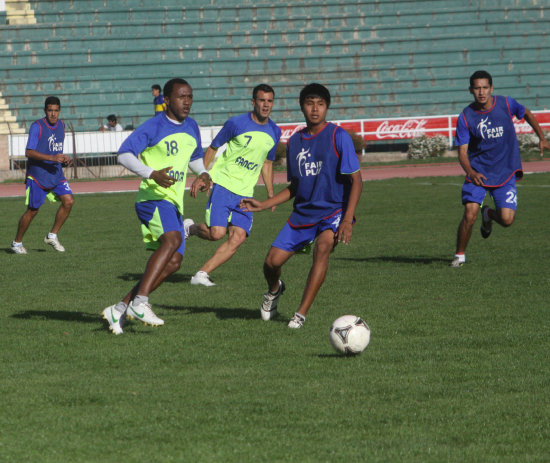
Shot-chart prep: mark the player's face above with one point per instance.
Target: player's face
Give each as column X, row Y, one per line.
column 178, row 104
column 262, row 104
column 482, row 91
column 155, row 92
column 52, row 113
column 315, row 110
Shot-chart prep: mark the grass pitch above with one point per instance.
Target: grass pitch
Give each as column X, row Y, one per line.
column 457, row 368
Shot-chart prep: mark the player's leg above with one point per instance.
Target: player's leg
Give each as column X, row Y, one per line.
column 67, row 202
column 506, row 201
column 34, row 198
column 472, row 198
column 218, row 210
column 324, row 245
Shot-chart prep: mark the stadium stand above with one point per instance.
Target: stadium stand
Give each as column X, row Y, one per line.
column 380, row 58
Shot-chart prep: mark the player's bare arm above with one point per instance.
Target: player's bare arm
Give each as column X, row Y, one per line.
column 267, row 177
column 60, row 158
column 345, row 230
column 532, row 121
column 476, row 177
column 253, row 205
column 209, row 156
column 162, row 178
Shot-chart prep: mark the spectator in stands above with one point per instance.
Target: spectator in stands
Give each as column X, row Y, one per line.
column 488, row 152
column 168, row 144
column 325, row 182
column 251, row 139
column 44, row 176
column 158, row 101
column 112, row 124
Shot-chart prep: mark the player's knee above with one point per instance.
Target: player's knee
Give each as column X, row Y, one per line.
column 175, row 263
column 506, row 221
column 216, row 234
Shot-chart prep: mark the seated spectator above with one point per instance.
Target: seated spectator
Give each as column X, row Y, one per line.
column 112, row 124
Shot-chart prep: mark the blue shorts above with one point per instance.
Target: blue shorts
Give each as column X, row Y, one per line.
column 158, row 218
column 35, row 196
column 505, row 196
column 223, row 208
column 294, row 239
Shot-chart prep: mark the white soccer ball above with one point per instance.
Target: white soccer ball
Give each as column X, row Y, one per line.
column 349, row 334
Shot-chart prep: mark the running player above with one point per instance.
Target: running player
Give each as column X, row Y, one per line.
column 44, row 176
column 168, row 145
column 325, row 182
column 488, row 152
column 251, row 139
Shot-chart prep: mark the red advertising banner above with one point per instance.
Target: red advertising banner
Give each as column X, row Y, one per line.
column 411, row 127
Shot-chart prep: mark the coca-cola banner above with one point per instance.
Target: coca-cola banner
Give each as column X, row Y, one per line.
column 410, row 127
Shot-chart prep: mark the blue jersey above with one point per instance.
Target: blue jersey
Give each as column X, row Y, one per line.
column 491, row 138
column 159, row 104
column 46, row 140
column 249, row 144
column 319, row 165
column 163, row 143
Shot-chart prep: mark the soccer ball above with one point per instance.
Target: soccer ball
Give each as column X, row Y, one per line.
column 349, row 334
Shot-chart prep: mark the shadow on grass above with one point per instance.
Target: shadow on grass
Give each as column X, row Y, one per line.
column 174, row 278
column 398, row 259
column 9, row 251
column 223, row 313
column 63, row 315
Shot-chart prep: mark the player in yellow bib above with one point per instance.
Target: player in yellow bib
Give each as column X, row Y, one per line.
column 252, row 140
column 167, row 144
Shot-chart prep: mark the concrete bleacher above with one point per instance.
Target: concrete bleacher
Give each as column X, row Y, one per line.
column 379, row 58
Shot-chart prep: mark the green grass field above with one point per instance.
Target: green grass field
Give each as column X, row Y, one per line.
column 457, row 369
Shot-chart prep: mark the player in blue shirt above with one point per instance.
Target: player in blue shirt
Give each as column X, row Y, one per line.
column 252, row 140
column 488, row 152
column 325, row 182
column 168, row 144
column 158, row 100
column 44, row 176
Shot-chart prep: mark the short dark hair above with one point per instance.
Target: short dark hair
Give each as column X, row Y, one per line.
column 169, row 86
column 111, row 117
column 315, row 90
column 480, row 75
column 155, row 87
column 52, row 100
column 262, row 88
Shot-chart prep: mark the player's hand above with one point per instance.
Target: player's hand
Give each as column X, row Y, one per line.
column 161, row 177
column 477, row 178
column 344, row 232
column 202, row 183
column 250, row 205
column 543, row 145
column 63, row 159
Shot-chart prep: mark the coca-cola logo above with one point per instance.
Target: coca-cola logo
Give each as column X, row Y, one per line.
column 287, row 132
column 409, row 129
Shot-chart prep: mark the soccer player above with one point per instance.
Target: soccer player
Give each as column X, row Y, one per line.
column 44, row 176
column 325, row 182
column 158, row 99
column 251, row 139
column 168, row 145
column 488, row 152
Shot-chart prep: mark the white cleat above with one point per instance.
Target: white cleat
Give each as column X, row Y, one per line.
column 186, row 225
column 54, row 242
column 269, row 305
column 18, row 249
column 114, row 318
column 144, row 314
column 297, row 321
column 202, row 278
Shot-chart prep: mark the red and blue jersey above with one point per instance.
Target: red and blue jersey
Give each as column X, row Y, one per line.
column 493, row 147
column 46, row 139
column 319, row 166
